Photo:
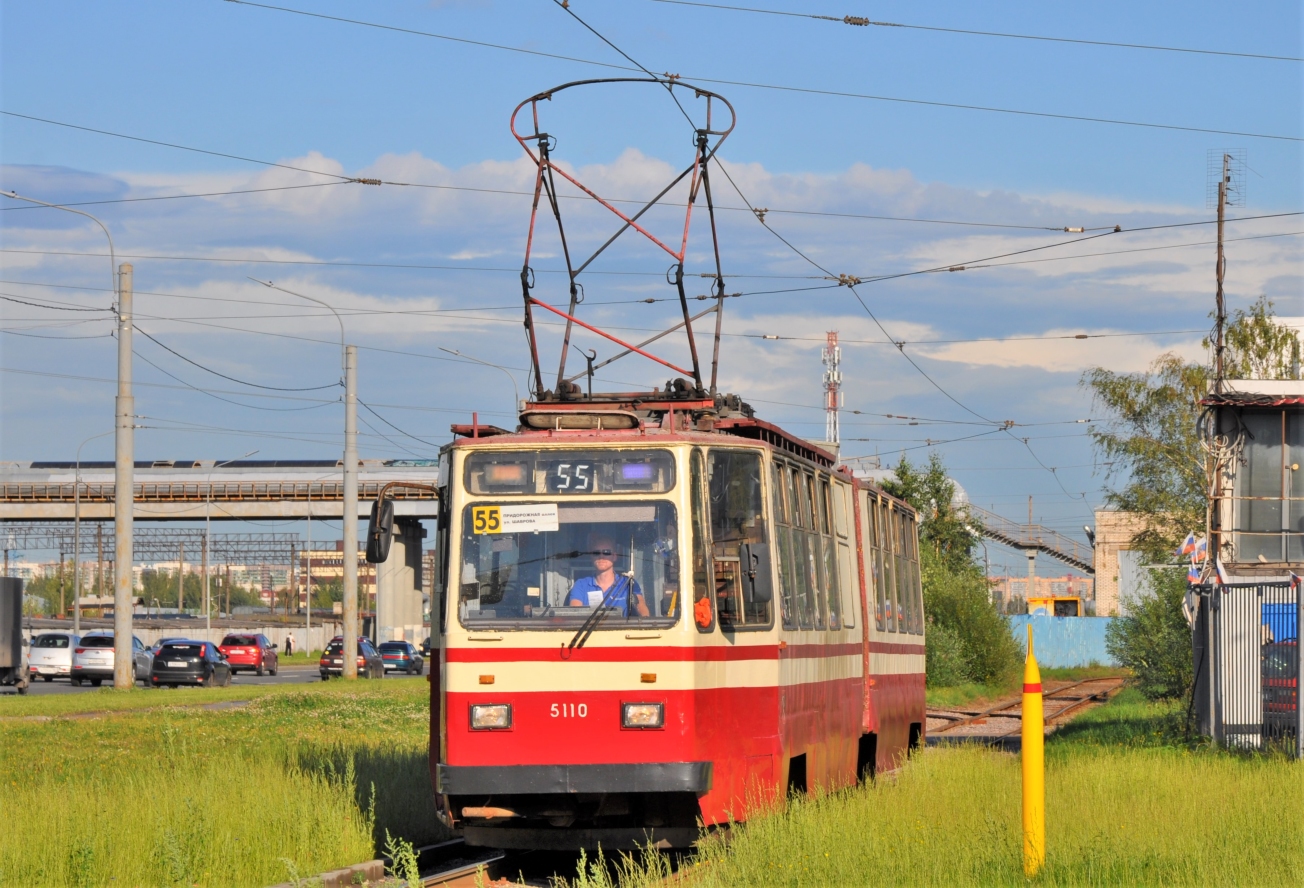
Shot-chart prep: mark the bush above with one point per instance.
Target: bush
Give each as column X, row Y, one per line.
column 1154, row 639
column 975, row 641
column 945, row 657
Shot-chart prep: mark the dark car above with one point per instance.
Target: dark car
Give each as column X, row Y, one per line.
column 425, row 647
column 190, row 662
column 370, row 663
column 251, row 653
column 1280, row 687
column 402, row 656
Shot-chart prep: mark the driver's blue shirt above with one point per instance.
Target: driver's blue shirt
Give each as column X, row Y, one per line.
column 587, row 593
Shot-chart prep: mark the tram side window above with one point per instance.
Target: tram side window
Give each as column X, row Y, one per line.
column 828, row 552
column 842, row 532
column 873, row 528
column 889, row 565
column 780, row 498
column 916, row 593
column 902, row 572
column 703, row 611
column 740, row 548
column 809, row 613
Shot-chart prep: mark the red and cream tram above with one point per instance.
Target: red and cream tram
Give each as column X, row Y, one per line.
column 657, row 615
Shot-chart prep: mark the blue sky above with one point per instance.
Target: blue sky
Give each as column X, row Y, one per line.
column 343, row 98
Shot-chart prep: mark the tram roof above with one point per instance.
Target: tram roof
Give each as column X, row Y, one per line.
column 639, row 415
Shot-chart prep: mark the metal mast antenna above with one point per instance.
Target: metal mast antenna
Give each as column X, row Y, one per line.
column 832, row 358
column 1230, row 170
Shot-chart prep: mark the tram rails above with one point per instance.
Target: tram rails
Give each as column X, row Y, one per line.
column 1004, row 718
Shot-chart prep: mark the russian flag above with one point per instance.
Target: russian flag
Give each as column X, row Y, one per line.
column 1222, row 572
column 1201, row 550
column 1193, row 573
column 1188, row 545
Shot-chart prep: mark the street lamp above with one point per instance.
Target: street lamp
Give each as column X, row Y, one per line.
column 349, row 511
column 208, row 508
column 113, row 262
column 76, row 536
column 516, row 405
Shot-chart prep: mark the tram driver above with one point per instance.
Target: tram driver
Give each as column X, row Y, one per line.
column 618, row 590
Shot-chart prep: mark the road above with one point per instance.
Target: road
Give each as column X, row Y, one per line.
column 297, row 674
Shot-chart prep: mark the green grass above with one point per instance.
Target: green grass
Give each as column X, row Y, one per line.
column 1128, row 803
column 180, row 795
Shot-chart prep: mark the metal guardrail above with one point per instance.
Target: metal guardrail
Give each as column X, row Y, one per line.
column 1034, row 536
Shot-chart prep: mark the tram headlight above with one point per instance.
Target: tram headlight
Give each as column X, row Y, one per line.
column 491, row 716
column 642, row 715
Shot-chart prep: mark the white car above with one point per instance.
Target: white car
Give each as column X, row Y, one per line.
column 50, row 655
column 92, row 659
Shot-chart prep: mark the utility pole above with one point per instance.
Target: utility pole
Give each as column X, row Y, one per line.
column 181, row 577
column 1220, row 267
column 350, row 522
column 208, row 618
column 123, row 478
column 307, row 624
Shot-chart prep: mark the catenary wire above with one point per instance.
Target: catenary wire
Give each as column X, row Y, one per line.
column 273, row 388
column 862, row 21
column 797, row 89
column 120, row 200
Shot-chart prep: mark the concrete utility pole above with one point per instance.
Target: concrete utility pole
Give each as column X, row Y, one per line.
column 350, row 522
column 181, row 577
column 123, row 500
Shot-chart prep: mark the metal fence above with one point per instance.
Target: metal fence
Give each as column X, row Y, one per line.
column 1247, row 658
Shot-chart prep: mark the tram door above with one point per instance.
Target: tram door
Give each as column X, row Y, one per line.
column 739, row 544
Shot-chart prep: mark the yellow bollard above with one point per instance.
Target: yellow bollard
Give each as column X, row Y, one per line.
column 1034, row 767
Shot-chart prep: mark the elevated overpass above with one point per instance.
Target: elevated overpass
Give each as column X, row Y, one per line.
column 192, row 490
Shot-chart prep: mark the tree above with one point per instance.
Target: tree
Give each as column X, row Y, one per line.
column 1257, row 346
column 1154, row 640
column 967, row 639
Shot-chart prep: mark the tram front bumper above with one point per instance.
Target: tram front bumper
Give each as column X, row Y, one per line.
column 645, row 777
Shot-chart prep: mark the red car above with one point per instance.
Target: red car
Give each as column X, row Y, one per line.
column 253, row 653
column 1280, row 687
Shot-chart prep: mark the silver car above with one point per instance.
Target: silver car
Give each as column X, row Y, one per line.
column 50, row 655
column 92, row 659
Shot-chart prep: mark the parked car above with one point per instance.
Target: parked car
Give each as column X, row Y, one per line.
column 370, row 663
column 1280, row 687
column 92, row 658
column 162, row 641
column 50, row 655
column 425, row 648
column 251, row 653
column 190, row 662
column 402, row 656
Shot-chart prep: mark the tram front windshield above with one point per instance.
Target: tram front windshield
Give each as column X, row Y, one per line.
column 551, row 565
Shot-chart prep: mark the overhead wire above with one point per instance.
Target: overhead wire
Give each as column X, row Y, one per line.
column 119, row 200
column 863, row 22
column 273, row 388
column 793, row 89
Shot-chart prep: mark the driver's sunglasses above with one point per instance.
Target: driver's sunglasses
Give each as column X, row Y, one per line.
column 606, row 552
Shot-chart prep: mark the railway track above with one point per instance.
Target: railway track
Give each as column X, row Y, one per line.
column 1005, row 718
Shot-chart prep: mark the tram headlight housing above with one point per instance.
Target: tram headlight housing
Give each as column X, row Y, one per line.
column 491, row 716
column 643, row 715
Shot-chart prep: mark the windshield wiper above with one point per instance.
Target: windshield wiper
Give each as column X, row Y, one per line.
column 595, row 618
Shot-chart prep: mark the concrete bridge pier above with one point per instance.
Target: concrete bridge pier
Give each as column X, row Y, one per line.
column 399, row 603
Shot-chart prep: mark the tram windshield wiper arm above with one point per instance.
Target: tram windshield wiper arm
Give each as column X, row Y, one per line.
column 582, row 635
